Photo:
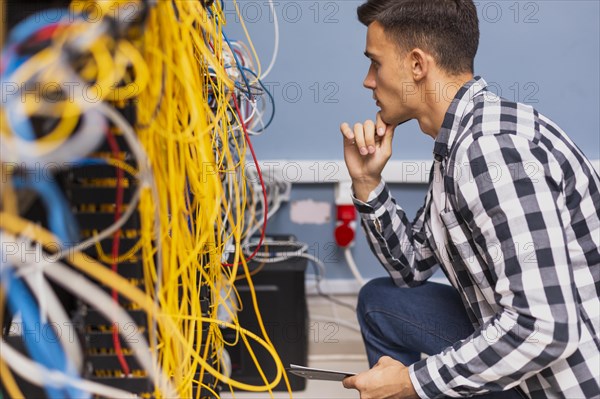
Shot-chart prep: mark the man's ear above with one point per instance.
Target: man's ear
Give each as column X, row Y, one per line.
column 420, row 64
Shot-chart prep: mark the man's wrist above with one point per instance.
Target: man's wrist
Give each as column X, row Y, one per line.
column 362, row 187
column 409, row 391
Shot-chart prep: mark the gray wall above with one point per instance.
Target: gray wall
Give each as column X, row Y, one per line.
column 545, row 53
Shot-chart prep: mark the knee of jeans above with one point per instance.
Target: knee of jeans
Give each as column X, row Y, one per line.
column 364, row 298
column 369, row 293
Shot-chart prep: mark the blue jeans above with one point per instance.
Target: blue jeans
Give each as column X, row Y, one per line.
column 404, row 322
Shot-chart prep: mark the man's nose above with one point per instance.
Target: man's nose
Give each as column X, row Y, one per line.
column 369, row 81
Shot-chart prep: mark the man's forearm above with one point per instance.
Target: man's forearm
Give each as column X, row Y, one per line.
column 363, row 187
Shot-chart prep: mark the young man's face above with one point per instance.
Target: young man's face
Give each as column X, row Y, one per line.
column 389, row 77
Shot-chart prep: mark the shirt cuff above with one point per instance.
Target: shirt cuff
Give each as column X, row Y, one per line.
column 415, row 382
column 426, row 379
column 372, row 200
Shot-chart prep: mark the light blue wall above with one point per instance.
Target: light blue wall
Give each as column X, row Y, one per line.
column 320, row 237
column 545, row 53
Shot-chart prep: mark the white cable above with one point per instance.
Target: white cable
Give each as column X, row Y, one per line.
column 277, row 256
column 353, row 267
column 253, row 229
column 145, row 172
column 39, row 375
column 47, row 298
column 254, row 106
column 146, row 179
column 248, row 120
column 101, row 301
column 250, row 216
column 283, row 256
column 49, row 305
column 276, row 45
column 319, row 263
column 290, row 255
column 224, row 225
column 145, row 176
column 131, row 208
column 75, row 147
column 34, row 155
column 246, row 57
column 258, row 119
column 272, row 193
column 275, row 205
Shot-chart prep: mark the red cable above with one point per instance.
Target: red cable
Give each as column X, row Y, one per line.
column 239, row 53
column 42, row 34
column 262, row 183
column 45, row 33
column 114, row 146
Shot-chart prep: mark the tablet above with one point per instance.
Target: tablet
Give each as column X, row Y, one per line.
column 318, row 374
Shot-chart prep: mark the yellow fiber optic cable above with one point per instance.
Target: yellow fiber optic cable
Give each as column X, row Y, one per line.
column 192, row 130
column 8, row 381
column 8, row 197
column 122, row 257
column 241, row 18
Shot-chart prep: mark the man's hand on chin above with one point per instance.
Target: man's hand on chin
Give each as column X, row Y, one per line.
column 388, row 379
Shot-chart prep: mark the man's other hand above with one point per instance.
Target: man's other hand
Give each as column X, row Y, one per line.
column 388, row 379
column 367, row 148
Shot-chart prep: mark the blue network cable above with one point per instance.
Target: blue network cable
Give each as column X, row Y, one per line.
column 239, row 66
column 45, row 347
column 235, row 57
column 270, row 97
column 21, row 33
column 89, row 162
column 61, row 220
column 11, row 61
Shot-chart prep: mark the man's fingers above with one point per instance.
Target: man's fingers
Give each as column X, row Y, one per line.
column 363, row 136
column 380, row 125
column 369, row 131
column 349, row 382
column 346, row 131
column 359, row 137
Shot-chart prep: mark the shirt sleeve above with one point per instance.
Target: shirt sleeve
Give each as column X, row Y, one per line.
column 401, row 246
column 509, row 193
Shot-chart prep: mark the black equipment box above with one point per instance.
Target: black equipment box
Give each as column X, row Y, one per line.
column 281, row 297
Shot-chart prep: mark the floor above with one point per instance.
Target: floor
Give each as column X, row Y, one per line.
column 334, row 343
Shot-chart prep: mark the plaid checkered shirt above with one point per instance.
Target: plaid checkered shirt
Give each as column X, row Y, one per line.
column 520, row 216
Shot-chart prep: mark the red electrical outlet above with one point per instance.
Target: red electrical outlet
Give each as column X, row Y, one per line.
column 345, row 229
column 346, row 225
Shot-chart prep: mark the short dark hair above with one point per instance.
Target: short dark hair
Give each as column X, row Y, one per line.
column 449, row 29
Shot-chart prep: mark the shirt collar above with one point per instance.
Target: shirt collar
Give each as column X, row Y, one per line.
column 447, row 133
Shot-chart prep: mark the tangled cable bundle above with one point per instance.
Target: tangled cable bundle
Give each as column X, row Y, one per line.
column 157, row 93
